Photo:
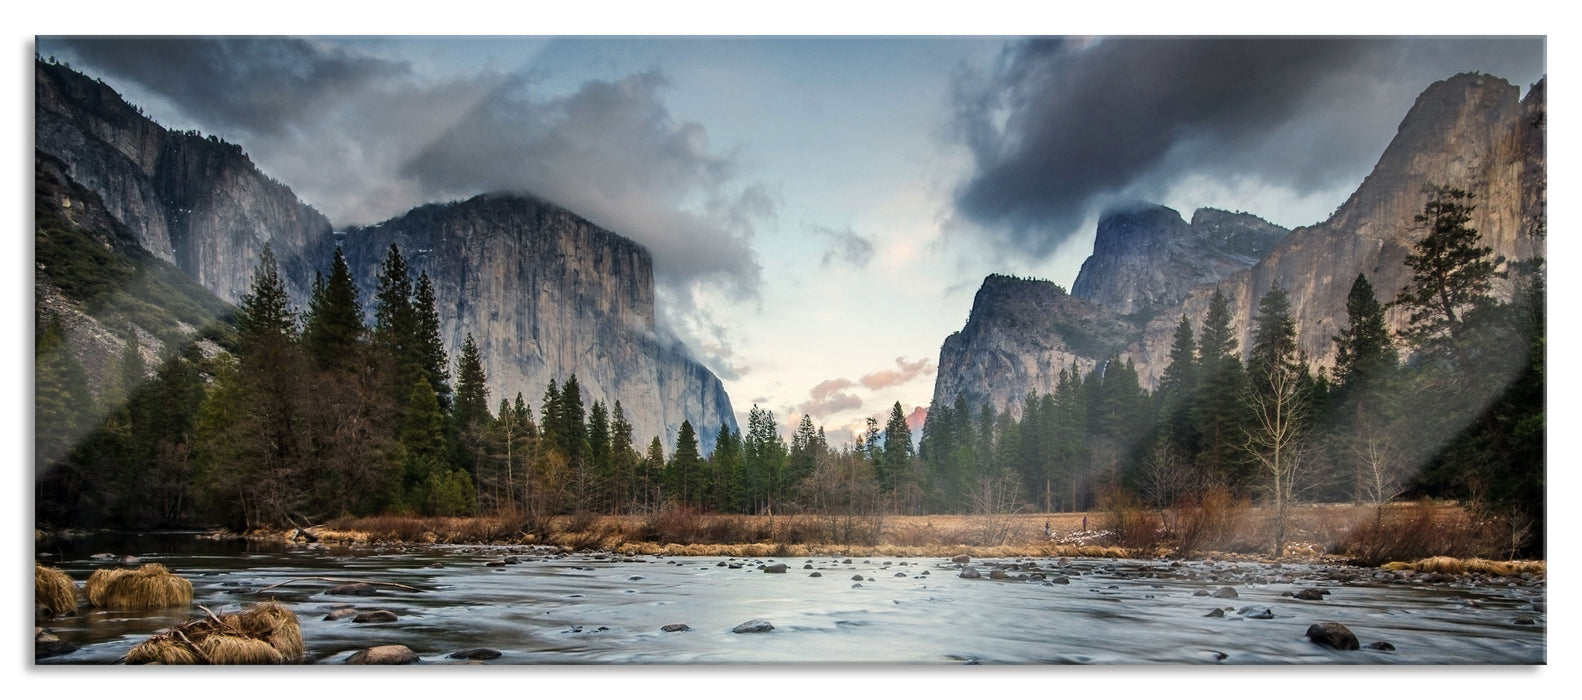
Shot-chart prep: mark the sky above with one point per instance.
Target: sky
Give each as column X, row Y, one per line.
column 820, row 210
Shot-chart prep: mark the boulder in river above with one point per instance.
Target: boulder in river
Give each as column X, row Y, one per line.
column 479, row 654
column 376, row 616
column 998, row 575
column 674, row 627
column 1333, row 635
column 340, row 614
column 1256, row 612
column 753, row 626
column 1381, row 646
column 775, row 569
column 1309, row 594
column 1216, row 612
column 815, row 575
column 1226, row 592
column 969, row 572
column 46, row 644
column 858, row 577
column 387, row 655
column 354, row 589
column 961, row 559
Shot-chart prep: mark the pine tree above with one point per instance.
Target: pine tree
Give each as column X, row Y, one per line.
column 898, row 450
column 333, row 325
column 726, row 464
column 472, row 388
column 653, row 475
column 1451, row 273
column 600, row 464
column 1363, row 351
column 684, row 474
column 1273, row 337
column 623, row 460
column 1216, row 408
column 428, row 344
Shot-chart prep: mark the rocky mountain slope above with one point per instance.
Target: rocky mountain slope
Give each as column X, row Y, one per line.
column 546, row 294
column 543, row 292
column 1146, row 258
column 1021, row 333
column 1471, row 131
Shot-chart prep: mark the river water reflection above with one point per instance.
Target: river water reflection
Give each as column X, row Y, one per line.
column 591, row 608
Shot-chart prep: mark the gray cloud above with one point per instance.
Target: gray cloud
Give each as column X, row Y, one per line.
column 1057, row 127
column 844, row 246
column 364, row 139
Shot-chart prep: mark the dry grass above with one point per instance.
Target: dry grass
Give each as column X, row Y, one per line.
column 1217, row 525
column 1452, row 565
column 53, row 591
column 266, row 633
column 148, row 587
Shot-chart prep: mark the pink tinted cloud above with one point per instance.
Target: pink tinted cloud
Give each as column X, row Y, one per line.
column 905, row 372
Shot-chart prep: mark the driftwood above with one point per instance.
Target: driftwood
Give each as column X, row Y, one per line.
column 341, row 580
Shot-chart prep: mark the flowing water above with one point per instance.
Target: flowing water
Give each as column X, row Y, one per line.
column 595, row 609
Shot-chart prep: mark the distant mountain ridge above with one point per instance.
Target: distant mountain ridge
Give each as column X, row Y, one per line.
column 1149, row 268
column 544, row 292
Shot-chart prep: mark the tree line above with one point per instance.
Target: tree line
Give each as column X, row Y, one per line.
column 316, row 415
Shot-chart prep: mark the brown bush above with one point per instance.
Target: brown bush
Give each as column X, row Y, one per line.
column 1130, row 525
column 1422, row 530
column 1215, row 520
column 148, row 587
column 266, row 633
column 53, row 591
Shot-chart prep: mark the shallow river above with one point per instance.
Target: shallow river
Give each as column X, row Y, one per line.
column 590, row 608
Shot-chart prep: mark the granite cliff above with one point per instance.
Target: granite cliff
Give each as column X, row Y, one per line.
column 1146, row 258
column 544, row 292
column 1149, row 267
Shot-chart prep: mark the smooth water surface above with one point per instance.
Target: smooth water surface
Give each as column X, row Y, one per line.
column 594, row 608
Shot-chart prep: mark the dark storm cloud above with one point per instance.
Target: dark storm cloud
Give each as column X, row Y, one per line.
column 1059, row 126
column 253, row 85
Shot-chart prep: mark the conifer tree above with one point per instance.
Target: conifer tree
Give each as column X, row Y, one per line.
column 1451, row 273
column 726, row 464
column 333, row 325
column 623, row 459
column 684, row 474
column 428, row 345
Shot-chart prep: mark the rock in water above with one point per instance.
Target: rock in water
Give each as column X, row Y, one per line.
column 998, row 575
column 675, row 627
column 354, row 589
column 1381, row 646
column 1333, row 635
column 1226, row 592
column 969, row 572
column 1216, row 612
column 46, row 644
column 1309, row 594
column 388, row 655
column 775, row 569
column 479, row 654
column 1256, row 612
column 753, row 626
column 376, row 616
column 340, row 614
column 959, row 559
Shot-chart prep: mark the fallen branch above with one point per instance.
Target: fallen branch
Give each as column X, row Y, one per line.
column 341, row 580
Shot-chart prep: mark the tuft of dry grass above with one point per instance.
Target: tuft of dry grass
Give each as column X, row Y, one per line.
column 267, row 633
column 148, row 587
column 53, row 591
column 1454, row 566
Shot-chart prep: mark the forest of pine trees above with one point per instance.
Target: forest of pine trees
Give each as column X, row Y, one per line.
column 316, row 415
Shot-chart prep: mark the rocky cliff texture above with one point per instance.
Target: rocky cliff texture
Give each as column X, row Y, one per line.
column 543, row 292
column 1021, row 333
column 546, row 294
column 194, row 201
column 1470, row 131
column 1146, row 258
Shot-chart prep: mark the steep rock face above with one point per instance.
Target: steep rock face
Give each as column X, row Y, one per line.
column 194, row 201
column 543, row 292
column 1020, row 334
column 1146, row 258
column 1469, row 131
column 546, row 294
